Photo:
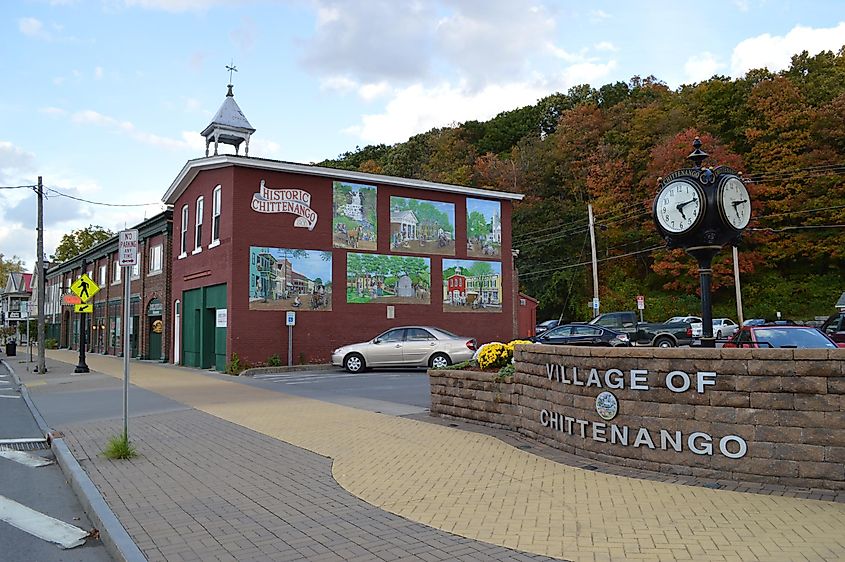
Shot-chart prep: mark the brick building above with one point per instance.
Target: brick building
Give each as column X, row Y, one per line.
column 257, row 238
column 149, row 295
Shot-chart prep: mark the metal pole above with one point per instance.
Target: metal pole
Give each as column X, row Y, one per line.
column 127, row 274
column 595, row 264
column 42, row 279
column 82, row 367
column 290, row 346
column 736, row 286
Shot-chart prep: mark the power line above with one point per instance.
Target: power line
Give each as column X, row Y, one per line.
column 60, row 194
column 18, row 186
column 785, row 228
column 816, row 210
column 531, row 274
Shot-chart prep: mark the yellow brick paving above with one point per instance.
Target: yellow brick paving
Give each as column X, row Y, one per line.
column 478, row 487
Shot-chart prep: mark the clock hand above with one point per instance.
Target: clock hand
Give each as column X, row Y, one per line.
column 681, row 206
column 736, row 204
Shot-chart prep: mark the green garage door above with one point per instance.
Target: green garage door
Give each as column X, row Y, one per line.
column 203, row 345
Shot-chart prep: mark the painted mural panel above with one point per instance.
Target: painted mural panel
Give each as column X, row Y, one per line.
column 387, row 279
column 286, row 279
column 484, row 228
column 422, row 227
column 354, row 215
column 472, row 286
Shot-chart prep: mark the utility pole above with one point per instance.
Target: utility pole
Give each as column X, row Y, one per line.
column 736, row 286
column 595, row 263
column 39, row 271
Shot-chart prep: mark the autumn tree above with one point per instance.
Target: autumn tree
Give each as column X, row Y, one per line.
column 9, row 265
column 78, row 241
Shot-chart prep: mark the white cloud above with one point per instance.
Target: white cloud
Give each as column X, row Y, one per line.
column 417, row 108
column 775, row 52
column 98, row 72
column 342, row 84
column 90, row 117
column 701, row 67
column 599, row 15
column 177, row 5
column 32, row 27
column 55, row 111
column 369, row 92
column 563, row 55
column 605, row 46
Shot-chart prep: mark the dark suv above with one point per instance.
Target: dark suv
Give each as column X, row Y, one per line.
column 834, row 327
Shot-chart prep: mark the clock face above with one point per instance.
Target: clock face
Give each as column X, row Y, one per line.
column 735, row 203
column 678, row 207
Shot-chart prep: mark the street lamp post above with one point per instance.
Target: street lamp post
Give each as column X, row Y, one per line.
column 82, row 367
column 701, row 210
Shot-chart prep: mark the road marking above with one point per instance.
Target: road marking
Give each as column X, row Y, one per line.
column 23, row 440
column 292, row 377
column 4, row 396
column 27, row 459
column 40, row 525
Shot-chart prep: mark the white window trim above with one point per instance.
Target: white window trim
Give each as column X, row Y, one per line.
column 183, row 233
column 103, row 274
column 152, row 261
column 216, row 207
column 117, row 273
column 200, row 210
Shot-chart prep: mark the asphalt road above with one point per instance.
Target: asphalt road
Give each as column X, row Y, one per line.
column 43, row 489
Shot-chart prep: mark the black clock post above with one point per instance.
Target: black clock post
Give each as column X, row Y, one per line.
column 700, row 210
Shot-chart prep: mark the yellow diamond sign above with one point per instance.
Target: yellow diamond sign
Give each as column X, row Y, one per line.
column 84, row 288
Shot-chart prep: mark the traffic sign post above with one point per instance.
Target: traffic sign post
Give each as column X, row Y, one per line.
column 127, row 255
column 85, row 289
column 290, row 322
column 640, row 305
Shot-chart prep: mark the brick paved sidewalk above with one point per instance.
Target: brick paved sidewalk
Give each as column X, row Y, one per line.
column 206, row 489
column 476, row 486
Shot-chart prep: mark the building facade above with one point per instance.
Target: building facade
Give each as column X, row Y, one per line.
column 320, row 242
column 14, row 304
column 149, row 296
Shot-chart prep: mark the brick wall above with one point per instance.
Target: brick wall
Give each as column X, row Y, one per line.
column 787, row 405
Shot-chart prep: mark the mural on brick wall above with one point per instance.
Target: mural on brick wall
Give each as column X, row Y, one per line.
column 484, row 228
column 472, row 286
column 387, row 279
column 354, row 215
column 286, row 279
column 423, row 227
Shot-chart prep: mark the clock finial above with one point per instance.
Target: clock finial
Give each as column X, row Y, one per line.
column 697, row 156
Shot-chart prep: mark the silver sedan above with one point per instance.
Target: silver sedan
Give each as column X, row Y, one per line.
column 408, row 346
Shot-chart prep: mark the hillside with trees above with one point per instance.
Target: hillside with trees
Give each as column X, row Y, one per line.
column 609, row 146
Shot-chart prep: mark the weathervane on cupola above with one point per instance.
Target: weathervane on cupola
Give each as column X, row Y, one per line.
column 229, row 125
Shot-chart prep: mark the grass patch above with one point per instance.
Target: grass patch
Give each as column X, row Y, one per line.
column 119, row 447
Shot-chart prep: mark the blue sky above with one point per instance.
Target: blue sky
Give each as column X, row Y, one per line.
column 105, row 98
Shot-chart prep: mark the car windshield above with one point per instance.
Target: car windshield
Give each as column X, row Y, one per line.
column 792, row 337
column 548, row 323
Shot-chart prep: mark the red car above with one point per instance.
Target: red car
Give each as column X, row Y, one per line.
column 781, row 335
column 834, row 327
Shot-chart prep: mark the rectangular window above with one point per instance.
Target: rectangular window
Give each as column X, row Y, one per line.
column 155, row 259
column 102, row 275
column 116, row 271
column 183, row 247
column 198, row 233
column 215, row 215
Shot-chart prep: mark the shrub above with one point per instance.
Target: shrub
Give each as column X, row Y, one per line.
column 51, row 343
column 236, row 366
column 495, row 355
column 274, row 360
column 504, row 373
column 119, row 447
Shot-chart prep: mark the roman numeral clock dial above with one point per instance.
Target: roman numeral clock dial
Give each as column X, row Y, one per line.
column 679, row 207
column 734, row 203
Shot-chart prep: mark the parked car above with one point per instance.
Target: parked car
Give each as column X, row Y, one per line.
column 687, row 319
column 834, row 327
column 754, row 322
column 543, row 326
column 645, row 333
column 583, row 334
column 722, row 328
column 407, row 346
column 780, row 335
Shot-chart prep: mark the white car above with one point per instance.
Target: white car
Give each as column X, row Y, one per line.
column 723, row 328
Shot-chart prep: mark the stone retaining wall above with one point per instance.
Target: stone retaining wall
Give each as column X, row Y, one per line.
column 786, row 405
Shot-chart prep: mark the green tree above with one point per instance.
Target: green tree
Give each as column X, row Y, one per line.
column 7, row 266
column 79, row 241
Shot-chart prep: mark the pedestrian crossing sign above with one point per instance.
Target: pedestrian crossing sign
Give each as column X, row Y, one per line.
column 84, row 288
column 86, row 308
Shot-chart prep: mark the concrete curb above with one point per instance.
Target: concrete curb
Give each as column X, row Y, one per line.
column 115, row 538
column 285, row 369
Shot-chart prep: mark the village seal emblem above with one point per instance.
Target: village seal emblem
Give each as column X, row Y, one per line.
column 607, row 406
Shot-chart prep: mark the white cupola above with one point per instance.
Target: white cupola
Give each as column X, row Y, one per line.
column 229, row 126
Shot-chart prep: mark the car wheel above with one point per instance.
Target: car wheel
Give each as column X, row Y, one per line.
column 439, row 360
column 664, row 342
column 354, row 363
